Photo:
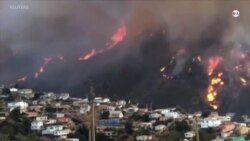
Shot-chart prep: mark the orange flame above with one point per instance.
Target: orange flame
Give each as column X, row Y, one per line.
column 243, row 81
column 88, row 55
column 22, row 78
column 162, row 69
column 213, row 62
column 118, row 36
column 214, row 83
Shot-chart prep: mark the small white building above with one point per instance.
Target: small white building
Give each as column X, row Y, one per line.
column 115, row 114
column 132, row 109
column 145, row 125
column 160, row 128
column 63, row 132
column 144, row 138
column 210, row 122
column 172, row 114
column 84, row 109
column 121, row 103
column 189, row 134
column 154, row 116
column 13, row 90
column 64, row 96
column 51, row 129
column 21, row 105
column 36, row 125
column 50, row 121
column 41, row 118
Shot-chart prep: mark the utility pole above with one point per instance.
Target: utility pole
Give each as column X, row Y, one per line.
column 93, row 121
column 197, row 130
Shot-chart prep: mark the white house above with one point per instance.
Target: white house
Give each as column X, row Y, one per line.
column 143, row 138
column 25, row 91
column 172, row 114
column 210, row 122
column 50, row 121
column 154, row 116
column 51, row 129
column 145, row 125
column 63, row 132
column 115, row 114
column 13, row 90
column 160, row 127
column 64, row 96
column 84, row 109
column 189, row 134
column 21, row 105
column 132, row 109
column 121, row 103
column 36, row 125
column 225, row 118
column 42, row 118
column 106, row 100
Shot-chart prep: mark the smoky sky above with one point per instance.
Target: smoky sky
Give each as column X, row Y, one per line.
column 156, row 30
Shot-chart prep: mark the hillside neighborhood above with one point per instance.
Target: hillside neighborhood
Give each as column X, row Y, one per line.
column 29, row 115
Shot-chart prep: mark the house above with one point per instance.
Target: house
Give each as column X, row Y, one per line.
column 132, row 109
column 2, row 116
column 49, row 95
column 154, row 116
column 50, row 121
column 25, row 91
column 56, row 130
column 110, row 108
column 51, row 129
column 36, row 125
column 115, row 114
column 172, row 114
column 144, row 138
column 31, row 114
column 210, row 122
column 225, row 118
column 84, row 109
column 120, row 103
column 21, row 105
column 59, row 115
column 63, row 120
column 189, row 134
column 160, row 128
column 37, row 108
column 106, row 100
column 145, row 125
column 13, row 90
column 71, row 139
column 64, row 96
column 63, row 132
column 41, row 118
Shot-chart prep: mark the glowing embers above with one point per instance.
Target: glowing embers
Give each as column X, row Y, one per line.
column 116, row 38
column 212, row 64
column 215, row 83
column 88, row 55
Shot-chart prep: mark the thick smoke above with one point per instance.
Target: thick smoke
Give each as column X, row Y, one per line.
column 156, row 31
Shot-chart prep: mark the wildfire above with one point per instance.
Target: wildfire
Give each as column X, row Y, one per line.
column 213, row 62
column 22, row 78
column 243, row 81
column 88, row 55
column 41, row 70
column 212, row 90
column 162, row 69
column 118, row 36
